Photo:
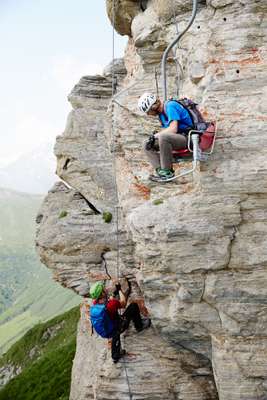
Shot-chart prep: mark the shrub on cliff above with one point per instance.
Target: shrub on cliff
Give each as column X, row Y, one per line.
column 45, row 355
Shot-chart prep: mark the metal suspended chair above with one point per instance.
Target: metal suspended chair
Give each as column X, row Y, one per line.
column 201, row 141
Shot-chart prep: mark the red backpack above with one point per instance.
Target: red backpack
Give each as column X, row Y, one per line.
column 198, row 122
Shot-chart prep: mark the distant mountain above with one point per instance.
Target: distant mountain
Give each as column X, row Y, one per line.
column 33, row 172
column 28, row 294
column 17, row 218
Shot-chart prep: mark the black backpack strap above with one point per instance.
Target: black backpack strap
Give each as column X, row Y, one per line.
column 189, row 113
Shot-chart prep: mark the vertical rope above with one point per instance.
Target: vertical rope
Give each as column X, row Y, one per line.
column 176, row 62
column 113, row 140
column 114, row 169
column 156, row 81
column 118, row 239
column 174, row 17
column 127, row 376
column 113, row 47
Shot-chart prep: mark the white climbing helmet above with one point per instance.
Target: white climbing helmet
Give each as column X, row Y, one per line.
column 146, row 101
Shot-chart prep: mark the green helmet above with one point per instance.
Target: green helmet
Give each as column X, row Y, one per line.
column 96, row 290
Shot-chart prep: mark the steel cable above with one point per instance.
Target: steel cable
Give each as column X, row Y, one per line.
column 114, row 170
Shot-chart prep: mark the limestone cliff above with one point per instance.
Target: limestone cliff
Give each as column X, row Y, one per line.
column 198, row 256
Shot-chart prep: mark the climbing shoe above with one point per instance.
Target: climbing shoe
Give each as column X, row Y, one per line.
column 162, row 175
column 155, row 175
column 146, row 323
column 122, row 354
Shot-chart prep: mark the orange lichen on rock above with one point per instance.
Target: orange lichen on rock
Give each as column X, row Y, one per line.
column 253, row 58
column 98, row 277
column 141, row 189
column 261, row 117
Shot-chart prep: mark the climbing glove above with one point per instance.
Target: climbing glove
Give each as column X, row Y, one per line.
column 117, row 289
column 150, row 142
column 118, row 286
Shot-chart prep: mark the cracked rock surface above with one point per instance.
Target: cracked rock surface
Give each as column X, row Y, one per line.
column 196, row 248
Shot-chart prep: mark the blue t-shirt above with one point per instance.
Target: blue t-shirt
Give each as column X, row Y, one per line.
column 175, row 112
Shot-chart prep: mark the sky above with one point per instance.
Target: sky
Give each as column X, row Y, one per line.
column 46, row 46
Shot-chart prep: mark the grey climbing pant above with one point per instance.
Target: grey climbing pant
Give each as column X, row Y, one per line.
column 165, row 144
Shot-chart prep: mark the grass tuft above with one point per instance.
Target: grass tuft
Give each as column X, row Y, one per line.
column 107, row 216
column 157, row 202
column 63, row 214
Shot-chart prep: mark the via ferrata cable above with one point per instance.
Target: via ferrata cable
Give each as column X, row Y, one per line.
column 114, row 169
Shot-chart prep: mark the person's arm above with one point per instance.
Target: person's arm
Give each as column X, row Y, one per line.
column 173, row 112
column 123, row 299
column 122, row 296
column 172, row 128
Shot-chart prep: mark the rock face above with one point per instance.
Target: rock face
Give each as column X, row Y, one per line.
column 70, row 219
column 195, row 247
column 152, row 369
column 8, row 372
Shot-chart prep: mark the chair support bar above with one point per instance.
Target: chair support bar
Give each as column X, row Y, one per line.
column 194, row 136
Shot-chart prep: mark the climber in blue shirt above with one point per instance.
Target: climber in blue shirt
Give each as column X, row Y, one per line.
column 173, row 111
column 176, row 123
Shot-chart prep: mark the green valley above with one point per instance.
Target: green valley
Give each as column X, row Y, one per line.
column 28, row 294
column 41, row 361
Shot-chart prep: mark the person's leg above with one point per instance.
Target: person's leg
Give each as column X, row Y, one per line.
column 167, row 143
column 132, row 313
column 116, row 346
column 152, row 156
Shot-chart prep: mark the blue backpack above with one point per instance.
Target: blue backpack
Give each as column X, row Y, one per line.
column 101, row 321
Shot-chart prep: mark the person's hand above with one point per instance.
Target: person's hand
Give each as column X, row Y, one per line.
column 150, row 142
column 118, row 286
column 155, row 134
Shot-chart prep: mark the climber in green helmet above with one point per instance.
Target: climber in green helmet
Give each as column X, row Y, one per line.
column 96, row 290
column 176, row 123
column 106, row 320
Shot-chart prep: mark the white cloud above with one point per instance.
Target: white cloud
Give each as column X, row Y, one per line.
column 67, row 71
column 23, row 130
column 6, row 160
column 31, row 131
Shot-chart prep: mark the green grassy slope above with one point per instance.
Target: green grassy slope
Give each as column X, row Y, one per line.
column 37, row 303
column 46, row 372
column 28, row 294
column 18, row 260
